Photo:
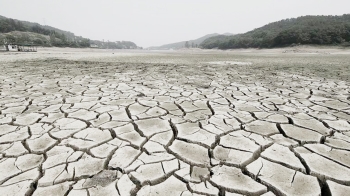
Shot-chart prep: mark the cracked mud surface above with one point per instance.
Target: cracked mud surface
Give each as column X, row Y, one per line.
column 174, row 124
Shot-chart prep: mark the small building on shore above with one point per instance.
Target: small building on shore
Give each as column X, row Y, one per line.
column 21, row 48
column 12, row 47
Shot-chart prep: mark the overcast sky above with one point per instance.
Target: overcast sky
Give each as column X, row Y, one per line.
column 158, row 22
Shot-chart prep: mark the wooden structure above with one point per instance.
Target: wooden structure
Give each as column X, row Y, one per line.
column 21, row 47
column 11, row 47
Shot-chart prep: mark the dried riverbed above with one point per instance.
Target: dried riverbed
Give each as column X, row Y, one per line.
column 99, row 122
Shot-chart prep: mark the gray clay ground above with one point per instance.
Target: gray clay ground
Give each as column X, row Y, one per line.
column 259, row 122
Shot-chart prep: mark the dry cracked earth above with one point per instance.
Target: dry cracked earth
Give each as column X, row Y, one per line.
column 117, row 127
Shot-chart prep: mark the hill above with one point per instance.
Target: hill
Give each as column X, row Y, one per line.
column 191, row 43
column 17, row 31
column 320, row 30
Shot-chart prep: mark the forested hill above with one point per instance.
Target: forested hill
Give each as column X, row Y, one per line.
column 17, row 31
column 184, row 44
column 320, row 30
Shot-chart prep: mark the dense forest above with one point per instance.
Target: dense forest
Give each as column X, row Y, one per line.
column 16, row 31
column 38, row 34
column 311, row 30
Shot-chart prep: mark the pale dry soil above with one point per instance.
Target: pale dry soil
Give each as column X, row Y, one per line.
column 242, row 122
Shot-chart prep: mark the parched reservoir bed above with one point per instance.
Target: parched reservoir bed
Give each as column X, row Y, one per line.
column 95, row 122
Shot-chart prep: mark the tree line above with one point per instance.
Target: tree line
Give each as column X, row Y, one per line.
column 318, row 30
column 58, row 39
column 189, row 44
column 115, row 45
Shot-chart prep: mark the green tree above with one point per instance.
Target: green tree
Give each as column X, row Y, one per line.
column 38, row 42
column 52, row 39
column 84, row 42
column 10, row 39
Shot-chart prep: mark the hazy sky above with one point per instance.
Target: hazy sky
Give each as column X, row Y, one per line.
column 157, row 22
